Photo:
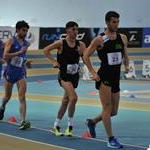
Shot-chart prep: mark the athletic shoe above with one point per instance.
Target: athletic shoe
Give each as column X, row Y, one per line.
column 91, row 127
column 57, row 131
column 25, row 125
column 69, row 131
column 113, row 143
column 2, row 110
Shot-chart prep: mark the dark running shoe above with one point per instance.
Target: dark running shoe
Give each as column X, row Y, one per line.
column 25, row 125
column 2, row 110
column 91, row 127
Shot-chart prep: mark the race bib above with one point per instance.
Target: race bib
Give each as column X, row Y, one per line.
column 114, row 58
column 17, row 61
column 72, row 68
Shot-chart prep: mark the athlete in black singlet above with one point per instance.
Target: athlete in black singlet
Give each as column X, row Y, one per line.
column 68, row 55
column 112, row 50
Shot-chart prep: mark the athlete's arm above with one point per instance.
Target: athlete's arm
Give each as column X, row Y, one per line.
column 82, row 49
column 3, row 45
column 7, row 49
column 2, row 61
column 125, row 53
column 47, row 50
column 89, row 51
column 28, row 62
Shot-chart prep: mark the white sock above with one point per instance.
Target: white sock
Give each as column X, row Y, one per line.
column 57, row 122
column 22, row 121
column 70, row 121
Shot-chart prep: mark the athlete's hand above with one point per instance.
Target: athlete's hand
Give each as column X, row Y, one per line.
column 23, row 49
column 6, row 56
column 29, row 63
column 56, row 64
column 95, row 76
column 127, row 69
column 2, row 61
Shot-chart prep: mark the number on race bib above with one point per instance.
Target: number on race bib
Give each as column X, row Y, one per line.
column 17, row 61
column 114, row 58
column 72, row 68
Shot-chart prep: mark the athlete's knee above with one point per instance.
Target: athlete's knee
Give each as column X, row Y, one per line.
column 6, row 98
column 74, row 99
column 114, row 113
column 22, row 98
column 107, row 106
column 65, row 102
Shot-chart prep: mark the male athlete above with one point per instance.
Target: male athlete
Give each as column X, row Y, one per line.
column 112, row 50
column 68, row 55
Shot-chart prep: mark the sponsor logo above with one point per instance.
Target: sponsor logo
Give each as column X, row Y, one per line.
column 54, row 36
column 146, row 37
column 118, row 46
column 16, row 46
column 134, row 36
column 134, row 39
column 5, row 34
column 30, row 37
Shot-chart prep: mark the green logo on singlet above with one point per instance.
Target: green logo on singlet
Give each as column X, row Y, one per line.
column 118, row 46
column 106, row 82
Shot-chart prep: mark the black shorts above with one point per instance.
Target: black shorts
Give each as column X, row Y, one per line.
column 74, row 79
column 115, row 85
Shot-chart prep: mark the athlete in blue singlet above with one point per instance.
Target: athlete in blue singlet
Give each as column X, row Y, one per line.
column 15, row 72
column 1, row 56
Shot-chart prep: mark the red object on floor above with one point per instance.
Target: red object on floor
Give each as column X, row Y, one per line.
column 87, row 135
column 39, row 81
column 93, row 93
column 12, row 119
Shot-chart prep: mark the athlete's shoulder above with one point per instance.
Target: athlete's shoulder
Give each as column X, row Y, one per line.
column 98, row 39
column 81, row 43
column 10, row 41
column 123, row 36
column 59, row 42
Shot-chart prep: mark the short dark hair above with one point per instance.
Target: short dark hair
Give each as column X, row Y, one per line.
column 111, row 14
column 22, row 24
column 71, row 24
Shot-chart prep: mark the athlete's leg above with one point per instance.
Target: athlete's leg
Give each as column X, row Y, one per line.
column 70, row 90
column 105, row 97
column 62, row 109
column 6, row 98
column 21, row 85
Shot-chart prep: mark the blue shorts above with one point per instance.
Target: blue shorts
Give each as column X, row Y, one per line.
column 14, row 77
column 0, row 72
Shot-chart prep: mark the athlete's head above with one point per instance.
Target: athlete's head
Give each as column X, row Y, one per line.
column 72, row 29
column 22, row 28
column 112, row 20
